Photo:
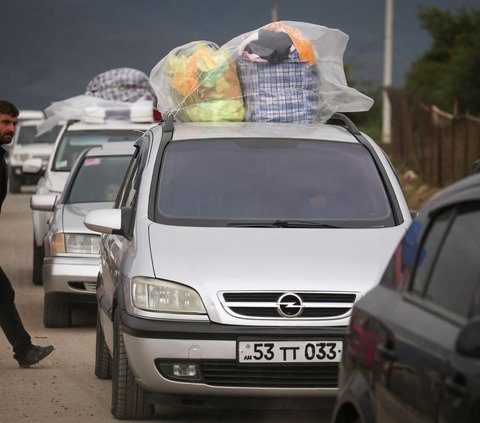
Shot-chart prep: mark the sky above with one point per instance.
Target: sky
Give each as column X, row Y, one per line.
column 53, row 48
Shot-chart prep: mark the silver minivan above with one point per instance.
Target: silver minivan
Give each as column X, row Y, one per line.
column 233, row 256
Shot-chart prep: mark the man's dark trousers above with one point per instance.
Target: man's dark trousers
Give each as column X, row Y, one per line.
column 10, row 320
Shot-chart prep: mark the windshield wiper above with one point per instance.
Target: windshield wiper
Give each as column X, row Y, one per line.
column 301, row 224
column 282, row 224
column 251, row 225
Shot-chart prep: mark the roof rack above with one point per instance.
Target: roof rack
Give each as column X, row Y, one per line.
column 348, row 124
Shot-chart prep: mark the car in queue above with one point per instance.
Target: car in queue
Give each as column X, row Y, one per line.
column 233, row 257
column 413, row 349
column 71, row 141
column 23, row 116
column 72, row 259
column 26, row 145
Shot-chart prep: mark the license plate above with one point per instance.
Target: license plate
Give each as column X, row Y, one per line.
column 289, row 351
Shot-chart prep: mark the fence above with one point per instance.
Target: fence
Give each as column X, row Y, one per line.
column 441, row 146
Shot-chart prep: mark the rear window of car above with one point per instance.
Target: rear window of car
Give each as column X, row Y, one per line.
column 227, row 181
column 98, row 179
column 73, row 143
column 28, row 135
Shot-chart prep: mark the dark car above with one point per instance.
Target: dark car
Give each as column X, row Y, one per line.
column 413, row 349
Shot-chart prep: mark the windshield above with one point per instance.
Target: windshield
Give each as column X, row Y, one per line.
column 242, row 181
column 98, row 179
column 28, row 135
column 74, row 142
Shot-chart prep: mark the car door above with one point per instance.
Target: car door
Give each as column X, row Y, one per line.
column 461, row 397
column 459, row 261
column 114, row 245
column 423, row 324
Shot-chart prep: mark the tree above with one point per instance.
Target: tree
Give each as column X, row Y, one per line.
column 448, row 74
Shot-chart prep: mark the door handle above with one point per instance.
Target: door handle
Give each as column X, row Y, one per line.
column 455, row 388
column 386, row 353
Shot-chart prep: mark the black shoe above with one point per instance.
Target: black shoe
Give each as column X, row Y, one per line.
column 33, row 355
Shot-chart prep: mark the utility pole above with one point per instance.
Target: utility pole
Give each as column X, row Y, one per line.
column 387, row 73
column 275, row 12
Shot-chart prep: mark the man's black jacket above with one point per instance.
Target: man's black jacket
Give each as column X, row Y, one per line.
column 3, row 177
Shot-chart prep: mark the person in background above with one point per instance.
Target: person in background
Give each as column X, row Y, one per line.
column 24, row 351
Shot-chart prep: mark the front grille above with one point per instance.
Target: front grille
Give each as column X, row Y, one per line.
column 313, row 297
column 229, row 373
column 83, row 286
column 265, row 305
column 272, row 312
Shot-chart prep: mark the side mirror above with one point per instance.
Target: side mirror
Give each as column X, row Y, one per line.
column 32, row 166
column 468, row 341
column 106, row 221
column 413, row 214
column 43, row 202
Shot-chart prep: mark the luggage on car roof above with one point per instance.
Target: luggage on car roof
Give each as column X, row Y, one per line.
column 121, row 84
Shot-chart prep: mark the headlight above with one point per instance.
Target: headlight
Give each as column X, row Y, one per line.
column 74, row 244
column 167, row 297
column 21, row 157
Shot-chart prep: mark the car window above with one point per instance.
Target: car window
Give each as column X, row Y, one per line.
column 130, row 184
column 74, row 142
column 447, row 269
column 28, row 135
column 98, row 179
column 456, row 273
column 425, row 257
column 239, row 180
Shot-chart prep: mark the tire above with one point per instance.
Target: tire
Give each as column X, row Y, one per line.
column 56, row 314
column 103, row 360
column 14, row 184
column 128, row 398
column 38, row 253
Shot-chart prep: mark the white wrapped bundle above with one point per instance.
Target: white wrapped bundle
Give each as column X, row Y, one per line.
column 293, row 72
column 117, row 94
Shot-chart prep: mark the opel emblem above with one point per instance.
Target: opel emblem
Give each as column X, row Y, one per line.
column 290, row 305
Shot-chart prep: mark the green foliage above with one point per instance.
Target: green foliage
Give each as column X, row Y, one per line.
column 448, row 74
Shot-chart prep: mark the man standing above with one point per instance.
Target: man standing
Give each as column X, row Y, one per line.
column 25, row 352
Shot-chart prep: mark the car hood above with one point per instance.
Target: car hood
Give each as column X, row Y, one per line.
column 217, row 259
column 38, row 149
column 73, row 215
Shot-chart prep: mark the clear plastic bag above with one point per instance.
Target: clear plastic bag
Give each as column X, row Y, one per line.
column 199, row 82
column 284, row 72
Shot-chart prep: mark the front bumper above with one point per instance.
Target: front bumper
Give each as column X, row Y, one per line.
column 74, row 277
column 25, row 178
column 153, row 347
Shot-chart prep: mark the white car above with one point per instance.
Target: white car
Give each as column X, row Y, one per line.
column 233, row 257
column 26, row 144
column 70, row 143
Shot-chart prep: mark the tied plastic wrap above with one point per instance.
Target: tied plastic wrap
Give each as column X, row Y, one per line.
column 198, row 82
column 91, row 109
column 293, row 72
column 117, row 94
column 121, row 84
